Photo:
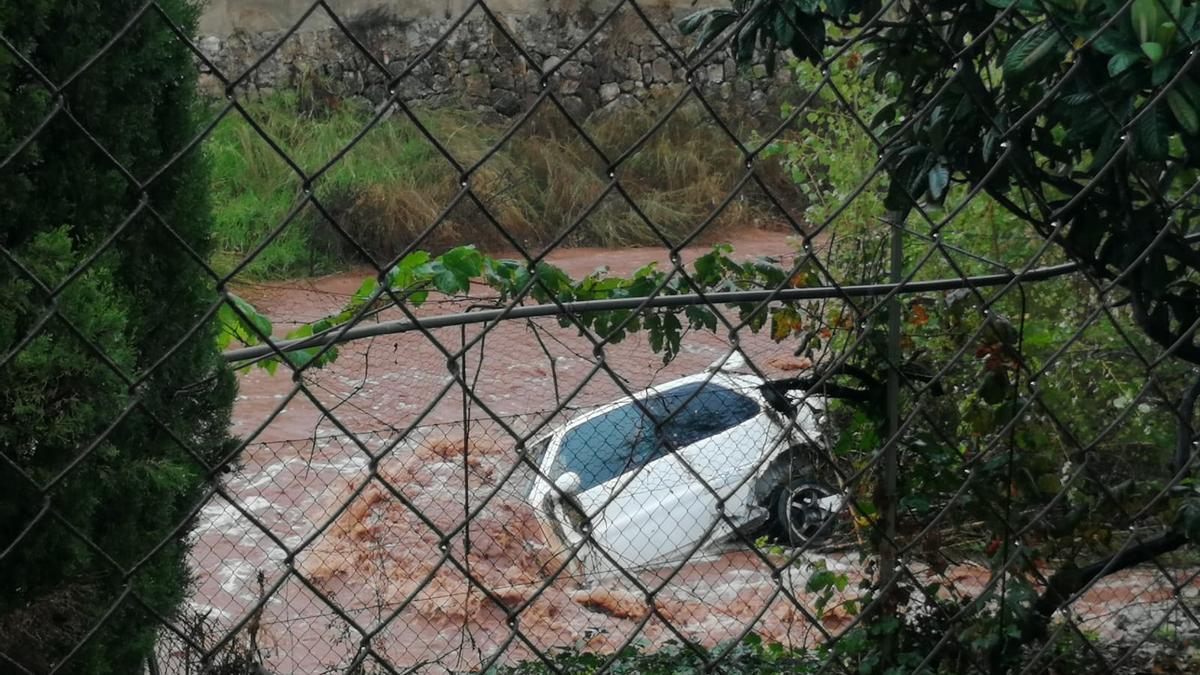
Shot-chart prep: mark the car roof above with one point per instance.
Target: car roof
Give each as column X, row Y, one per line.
column 741, row 383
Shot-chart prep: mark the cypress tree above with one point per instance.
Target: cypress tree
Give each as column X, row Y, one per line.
column 105, row 415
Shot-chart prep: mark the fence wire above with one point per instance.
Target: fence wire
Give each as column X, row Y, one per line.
column 962, row 454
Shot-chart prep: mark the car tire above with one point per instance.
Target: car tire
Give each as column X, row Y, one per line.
column 797, row 517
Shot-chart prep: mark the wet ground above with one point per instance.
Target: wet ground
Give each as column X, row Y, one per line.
column 388, row 548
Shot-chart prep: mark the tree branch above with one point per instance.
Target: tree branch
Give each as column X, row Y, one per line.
column 1185, row 432
column 1067, row 582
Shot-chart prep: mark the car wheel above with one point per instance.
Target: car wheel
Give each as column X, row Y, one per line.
column 802, row 512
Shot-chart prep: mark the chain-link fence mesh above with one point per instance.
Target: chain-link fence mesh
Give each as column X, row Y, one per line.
column 933, row 442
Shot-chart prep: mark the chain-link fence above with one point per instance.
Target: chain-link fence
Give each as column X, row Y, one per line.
column 944, row 425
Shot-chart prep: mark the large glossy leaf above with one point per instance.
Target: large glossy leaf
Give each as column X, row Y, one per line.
column 1121, row 62
column 1111, row 41
column 939, row 180
column 837, row 8
column 1032, row 49
column 1153, row 51
column 1151, row 135
column 1023, row 5
column 810, row 40
column 245, row 327
column 1190, row 89
column 785, row 32
column 1108, row 145
column 1183, row 111
column 1145, row 16
column 692, row 22
column 717, row 21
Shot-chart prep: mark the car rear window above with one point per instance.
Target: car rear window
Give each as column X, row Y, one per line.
column 623, row 438
column 707, row 413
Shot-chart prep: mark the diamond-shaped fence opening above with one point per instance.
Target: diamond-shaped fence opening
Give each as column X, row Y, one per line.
column 931, row 409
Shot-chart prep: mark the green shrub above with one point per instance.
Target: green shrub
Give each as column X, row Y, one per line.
column 117, row 458
column 750, row 655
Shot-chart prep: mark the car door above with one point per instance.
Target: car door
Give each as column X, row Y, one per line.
column 630, row 488
column 722, row 436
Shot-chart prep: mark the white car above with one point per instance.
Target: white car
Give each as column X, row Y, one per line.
column 633, row 496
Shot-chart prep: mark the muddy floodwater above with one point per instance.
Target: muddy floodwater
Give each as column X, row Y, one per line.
column 386, row 545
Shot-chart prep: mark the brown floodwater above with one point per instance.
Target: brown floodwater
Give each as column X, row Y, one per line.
column 386, row 544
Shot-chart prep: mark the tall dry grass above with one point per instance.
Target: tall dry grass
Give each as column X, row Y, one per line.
column 391, row 188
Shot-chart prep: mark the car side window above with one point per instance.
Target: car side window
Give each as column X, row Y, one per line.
column 704, row 410
column 623, row 438
column 606, row 446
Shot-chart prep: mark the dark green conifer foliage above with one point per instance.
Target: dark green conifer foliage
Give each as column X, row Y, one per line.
column 118, row 458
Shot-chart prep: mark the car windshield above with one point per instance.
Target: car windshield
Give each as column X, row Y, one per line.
column 623, row 438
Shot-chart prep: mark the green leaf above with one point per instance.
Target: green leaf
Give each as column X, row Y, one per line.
column 403, row 273
column 911, row 171
column 645, row 270
column 937, row 128
column 939, row 179
column 235, row 327
column 743, row 44
column 885, row 115
column 720, row 21
column 821, row 580
column 228, row 320
column 810, row 39
column 837, row 8
column 994, row 388
column 707, row 269
column 450, row 283
column 364, row 293
column 1153, row 50
column 464, row 261
column 1111, row 42
column 452, row 272
column 1121, row 62
column 1161, row 72
column 301, row 332
column 1165, row 34
column 1150, row 136
column 1187, row 518
column 1079, row 98
column 301, row 357
column 692, row 22
column 1183, row 111
column 1145, row 17
column 1024, row 5
column 1109, row 142
column 553, row 280
column 1190, row 89
column 784, row 32
column 1031, row 49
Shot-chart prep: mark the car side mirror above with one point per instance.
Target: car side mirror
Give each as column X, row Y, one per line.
column 567, row 483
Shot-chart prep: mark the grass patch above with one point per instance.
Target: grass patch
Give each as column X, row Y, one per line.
column 387, row 192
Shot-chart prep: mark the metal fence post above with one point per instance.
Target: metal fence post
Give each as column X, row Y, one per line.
column 887, row 498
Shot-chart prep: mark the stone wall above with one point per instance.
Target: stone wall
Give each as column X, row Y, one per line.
column 477, row 66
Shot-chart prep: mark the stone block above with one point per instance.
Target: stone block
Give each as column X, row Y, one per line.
column 478, row 85
column 506, row 102
column 662, row 71
column 609, row 91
